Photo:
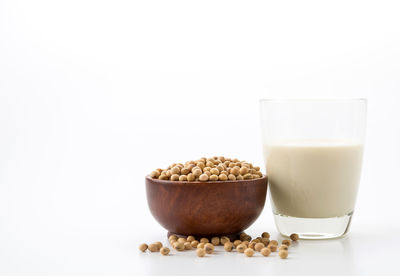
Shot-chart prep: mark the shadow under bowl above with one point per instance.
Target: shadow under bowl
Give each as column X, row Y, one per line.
column 211, row 208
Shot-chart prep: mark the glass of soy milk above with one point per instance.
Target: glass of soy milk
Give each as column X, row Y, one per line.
column 313, row 151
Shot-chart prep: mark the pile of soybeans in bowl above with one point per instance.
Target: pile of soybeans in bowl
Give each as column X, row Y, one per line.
column 209, row 169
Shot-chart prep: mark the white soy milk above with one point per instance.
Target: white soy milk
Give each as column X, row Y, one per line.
column 315, row 179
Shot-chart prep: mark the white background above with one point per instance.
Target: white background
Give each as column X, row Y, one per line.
column 96, row 94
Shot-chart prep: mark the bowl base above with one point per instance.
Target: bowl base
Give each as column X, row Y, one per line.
column 232, row 237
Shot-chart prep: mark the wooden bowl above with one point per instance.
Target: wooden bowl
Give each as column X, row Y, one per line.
column 212, row 208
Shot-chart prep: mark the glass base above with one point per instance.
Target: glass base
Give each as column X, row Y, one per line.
column 313, row 228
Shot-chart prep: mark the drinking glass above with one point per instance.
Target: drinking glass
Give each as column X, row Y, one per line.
column 313, row 151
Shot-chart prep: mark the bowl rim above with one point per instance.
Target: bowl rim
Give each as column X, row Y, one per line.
column 170, row 182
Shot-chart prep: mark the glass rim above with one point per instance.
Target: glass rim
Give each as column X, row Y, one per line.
column 298, row 100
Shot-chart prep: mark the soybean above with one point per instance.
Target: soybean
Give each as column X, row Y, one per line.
column 241, row 248
column 265, row 251
column 194, row 244
column 209, row 248
column 228, row 246
column 249, row 252
column 287, row 242
column 283, row 254
column 294, row 237
column 200, row 252
column 143, row 247
column 215, row 241
column 259, row 246
column 164, row 251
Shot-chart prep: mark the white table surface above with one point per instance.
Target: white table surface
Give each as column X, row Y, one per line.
column 359, row 253
column 356, row 254
column 112, row 250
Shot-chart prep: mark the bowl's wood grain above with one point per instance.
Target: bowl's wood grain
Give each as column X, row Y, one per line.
column 206, row 208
